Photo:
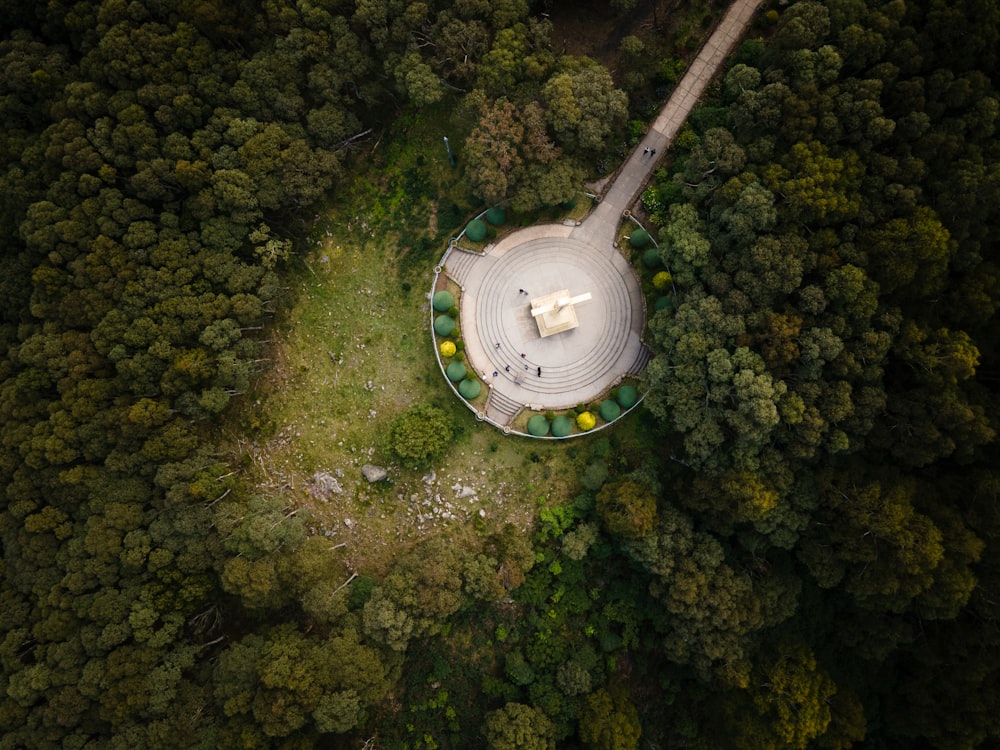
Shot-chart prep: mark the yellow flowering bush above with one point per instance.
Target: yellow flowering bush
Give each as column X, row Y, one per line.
column 586, row 421
column 662, row 280
column 447, row 348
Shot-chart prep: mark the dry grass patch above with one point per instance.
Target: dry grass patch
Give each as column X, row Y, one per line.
column 350, row 354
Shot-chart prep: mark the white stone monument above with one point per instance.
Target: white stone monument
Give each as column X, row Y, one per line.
column 555, row 312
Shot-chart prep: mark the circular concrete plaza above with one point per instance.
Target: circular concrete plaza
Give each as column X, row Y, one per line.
column 577, row 365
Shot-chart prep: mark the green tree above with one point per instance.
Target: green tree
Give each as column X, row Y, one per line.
column 584, row 108
column 509, row 154
column 910, row 256
column 791, row 695
column 818, row 187
column 609, row 721
column 627, row 508
column 517, row 726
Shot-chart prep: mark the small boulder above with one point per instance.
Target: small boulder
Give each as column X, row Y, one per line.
column 374, row 473
column 322, row 484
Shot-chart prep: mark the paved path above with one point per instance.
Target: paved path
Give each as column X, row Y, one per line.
column 624, row 191
column 579, row 365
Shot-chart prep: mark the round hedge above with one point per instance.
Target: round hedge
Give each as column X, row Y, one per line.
column 663, row 303
column 469, row 388
column 448, row 349
column 562, row 426
column 496, row 216
column 443, row 301
column 444, row 325
column 610, row 411
column 627, row 396
column 455, row 371
column 586, row 421
column 538, row 426
column 639, row 238
column 651, row 258
column 662, row 279
column 475, row 230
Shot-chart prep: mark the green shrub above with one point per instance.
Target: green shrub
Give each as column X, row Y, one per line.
column 594, row 475
column 636, row 130
column 496, row 216
column 420, row 435
column 444, row 325
column 610, row 411
column 443, row 301
column 475, row 230
column 517, row 669
column 455, row 371
column 562, row 426
column 670, row 71
column 538, row 426
column 663, row 303
column 627, row 396
column 651, row 258
column 639, row 238
column 469, row 388
column 360, row 591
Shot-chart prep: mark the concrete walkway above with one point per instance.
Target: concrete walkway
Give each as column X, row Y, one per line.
column 579, row 365
column 625, row 189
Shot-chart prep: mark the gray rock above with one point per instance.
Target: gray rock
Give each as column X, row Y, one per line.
column 322, row 484
column 374, row 473
column 467, row 492
column 430, row 477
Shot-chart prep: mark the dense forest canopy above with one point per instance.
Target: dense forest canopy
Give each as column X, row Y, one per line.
column 795, row 546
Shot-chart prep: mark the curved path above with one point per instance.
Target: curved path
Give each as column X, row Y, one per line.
column 579, row 365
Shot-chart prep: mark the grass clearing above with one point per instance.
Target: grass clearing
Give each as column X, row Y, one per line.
column 354, row 349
